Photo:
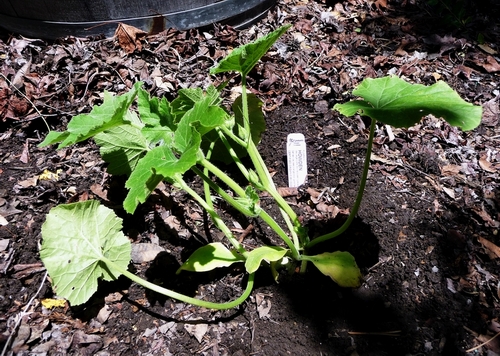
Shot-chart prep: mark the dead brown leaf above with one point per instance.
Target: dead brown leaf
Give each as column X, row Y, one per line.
column 461, row 69
column 129, row 37
column 486, row 165
column 450, row 170
column 98, row 190
column 314, row 194
column 487, row 49
column 489, row 246
column 491, row 65
column 381, row 3
column 491, row 113
column 486, row 217
column 25, row 155
column 288, row 192
column 18, row 80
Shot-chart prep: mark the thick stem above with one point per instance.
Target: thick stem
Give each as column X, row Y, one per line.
column 206, row 186
column 289, row 215
column 359, row 197
column 233, row 155
column 244, row 104
column 223, row 177
column 263, row 215
column 182, row 297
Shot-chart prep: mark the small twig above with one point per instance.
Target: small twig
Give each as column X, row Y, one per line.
column 381, row 333
column 245, row 233
column 20, row 317
column 484, row 343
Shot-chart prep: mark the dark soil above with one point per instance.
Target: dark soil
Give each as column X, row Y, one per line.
column 431, row 279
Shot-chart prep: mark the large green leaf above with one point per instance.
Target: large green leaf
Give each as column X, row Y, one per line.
column 268, row 253
column 244, row 58
column 393, row 101
column 209, row 257
column 76, row 239
column 113, row 112
column 339, row 266
column 122, row 147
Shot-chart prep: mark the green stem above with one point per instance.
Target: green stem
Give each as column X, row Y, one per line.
column 233, row 155
column 206, row 187
column 276, row 228
column 263, row 214
column 213, row 214
column 359, row 197
column 244, row 104
column 289, row 215
column 226, row 131
column 182, row 297
column 223, row 177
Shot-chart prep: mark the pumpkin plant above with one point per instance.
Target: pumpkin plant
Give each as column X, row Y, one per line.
column 161, row 141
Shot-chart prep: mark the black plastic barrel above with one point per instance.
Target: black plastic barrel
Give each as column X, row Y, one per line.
column 51, row 19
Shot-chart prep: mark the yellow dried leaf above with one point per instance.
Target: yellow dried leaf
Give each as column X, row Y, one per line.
column 48, row 175
column 50, row 303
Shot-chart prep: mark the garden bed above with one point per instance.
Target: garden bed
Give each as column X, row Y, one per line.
column 425, row 237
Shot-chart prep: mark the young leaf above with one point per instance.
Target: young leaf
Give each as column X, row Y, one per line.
column 257, row 127
column 122, row 147
column 157, row 164
column 209, row 257
column 268, row 253
column 186, row 98
column 202, row 117
column 76, row 239
column 393, row 101
column 244, row 58
column 113, row 112
column 339, row 266
column 249, row 205
column 157, row 118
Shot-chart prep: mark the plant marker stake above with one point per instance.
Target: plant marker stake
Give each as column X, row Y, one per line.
column 296, row 159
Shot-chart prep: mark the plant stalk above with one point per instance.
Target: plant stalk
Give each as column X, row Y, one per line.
column 359, row 197
column 182, row 297
column 213, row 214
column 263, row 214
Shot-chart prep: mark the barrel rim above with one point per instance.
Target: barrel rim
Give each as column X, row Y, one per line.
column 234, row 12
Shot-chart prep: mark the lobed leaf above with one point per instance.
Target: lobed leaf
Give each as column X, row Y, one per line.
column 186, row 98
column 113, row 112
column 157, row 117
column 244, row 58
column 201, row 118
column 339, row 266
column 122, row 147
column 393, row 101
column 268, row 253
column 209, row 257
column 77, row 240
column 158, row 164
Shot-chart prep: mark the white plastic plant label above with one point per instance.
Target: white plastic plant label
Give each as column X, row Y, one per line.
column 296, row 159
